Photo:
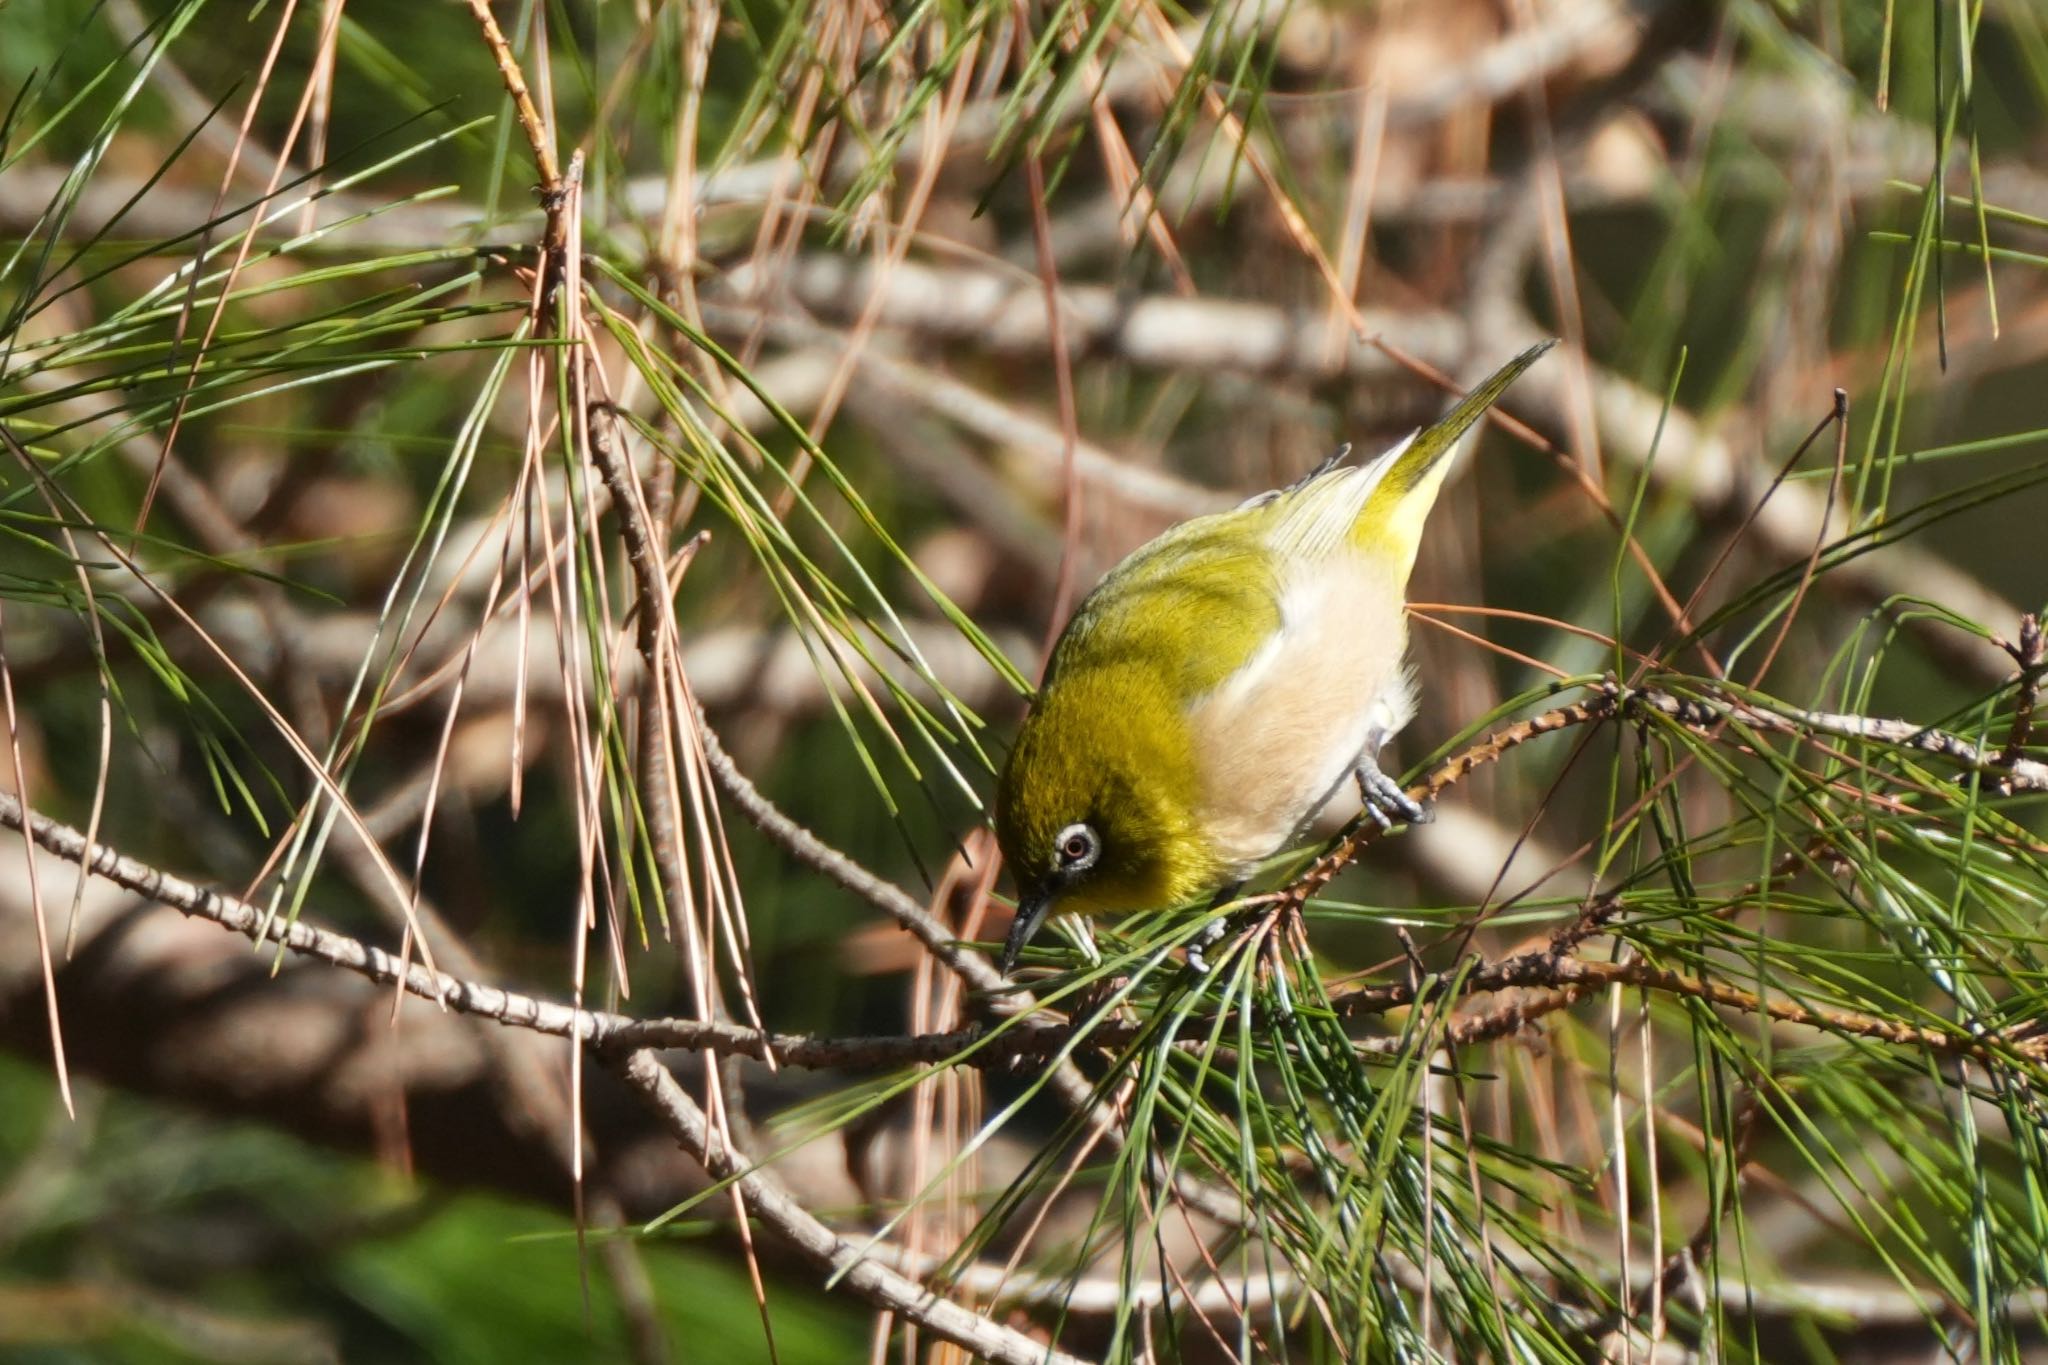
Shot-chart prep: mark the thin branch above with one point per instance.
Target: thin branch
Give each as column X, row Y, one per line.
column 2015, row 773
column 253, row 922
column 814, row 853
column 2028, row 654
column 530, row 121
column 1547, row 971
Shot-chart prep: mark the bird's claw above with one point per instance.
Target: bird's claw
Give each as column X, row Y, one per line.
column 1385, row 802
column 1198, row 961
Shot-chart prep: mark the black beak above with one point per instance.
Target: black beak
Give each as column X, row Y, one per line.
column 1032, row 908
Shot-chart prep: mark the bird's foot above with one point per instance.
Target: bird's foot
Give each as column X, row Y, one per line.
column 1199, row 945
column 1384, row 800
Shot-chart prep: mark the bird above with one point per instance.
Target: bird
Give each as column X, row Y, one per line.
column 1211, row 694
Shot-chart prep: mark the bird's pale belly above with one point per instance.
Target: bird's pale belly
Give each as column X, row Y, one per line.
column 1278, row 738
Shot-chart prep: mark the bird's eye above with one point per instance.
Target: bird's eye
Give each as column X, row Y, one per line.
column 1078, row 848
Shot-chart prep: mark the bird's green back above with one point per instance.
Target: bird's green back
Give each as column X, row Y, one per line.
column 1197, row 601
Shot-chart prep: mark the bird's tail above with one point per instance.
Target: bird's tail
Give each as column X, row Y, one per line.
column 1390, row 524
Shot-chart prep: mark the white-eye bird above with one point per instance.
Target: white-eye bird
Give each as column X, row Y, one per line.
column 1218, row 686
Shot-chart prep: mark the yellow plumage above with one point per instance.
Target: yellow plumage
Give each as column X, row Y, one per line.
column 1218, row 686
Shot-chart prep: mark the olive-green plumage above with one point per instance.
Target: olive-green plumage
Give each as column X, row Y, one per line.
column 1215, row 689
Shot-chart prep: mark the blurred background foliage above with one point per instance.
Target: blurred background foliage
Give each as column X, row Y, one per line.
column 1725, row 211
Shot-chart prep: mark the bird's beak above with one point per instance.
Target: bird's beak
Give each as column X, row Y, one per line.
column 1032, row 908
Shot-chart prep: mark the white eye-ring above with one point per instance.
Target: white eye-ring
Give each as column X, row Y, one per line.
column 1076, row 848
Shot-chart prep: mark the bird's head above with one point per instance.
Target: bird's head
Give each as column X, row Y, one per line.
column 1095, row 810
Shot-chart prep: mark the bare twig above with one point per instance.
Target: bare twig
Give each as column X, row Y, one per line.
column 2028, row 654
column 2015, row 772
column 1547, row 971
column 814, row 853
column 530, row 121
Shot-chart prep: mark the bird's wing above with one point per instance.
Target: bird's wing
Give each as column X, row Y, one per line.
column 1315, row 516
column 1196, row 604
column 1380, row 506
